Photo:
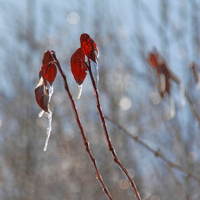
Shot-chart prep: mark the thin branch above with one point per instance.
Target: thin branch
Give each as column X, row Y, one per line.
column 192, row 107
column 110, row 147
column 156, row 153
column 86, row 143
column 178, row 183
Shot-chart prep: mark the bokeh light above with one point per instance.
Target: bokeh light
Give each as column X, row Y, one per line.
column 73, row 18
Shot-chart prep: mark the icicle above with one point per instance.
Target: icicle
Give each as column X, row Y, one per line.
column 97, row 74
column 48, row 129
column 172, row 107
column 49, row 118
column 50, row 92
column 162, row 82
column 182, row 94
column 79, row 91
column 40, row 113
column 95, row 70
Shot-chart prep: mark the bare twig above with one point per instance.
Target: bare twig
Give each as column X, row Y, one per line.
column 86, row 143
column 178, row 183
column 192, row 107
column 110, row 147
column 156, row 153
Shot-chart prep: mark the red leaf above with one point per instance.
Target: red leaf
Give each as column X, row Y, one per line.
column 153, row 61
column 78, row 67
column 41, row 95
column 47, row 58
column 48, row 68
column 89, row 47
column 50, row 71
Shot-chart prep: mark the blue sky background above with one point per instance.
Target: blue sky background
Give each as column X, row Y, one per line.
column 125, row 32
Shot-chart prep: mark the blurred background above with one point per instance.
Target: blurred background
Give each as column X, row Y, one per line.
column 125, row 32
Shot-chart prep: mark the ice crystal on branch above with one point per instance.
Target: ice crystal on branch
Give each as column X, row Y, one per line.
column 44, row 89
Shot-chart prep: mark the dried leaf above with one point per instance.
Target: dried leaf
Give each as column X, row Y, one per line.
column 89, row 47
column 41, row 95
column 48, row 67
column 153, row 61
column 78, row 67
column 47, row 58
column 50, row 72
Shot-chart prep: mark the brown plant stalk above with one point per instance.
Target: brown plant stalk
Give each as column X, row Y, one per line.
column 86, row 143
column 110, row 146
column 192, row 107
column 156, row 153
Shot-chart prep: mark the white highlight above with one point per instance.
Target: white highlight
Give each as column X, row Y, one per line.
column 172, row 108
column 155, row 97
column 95, row 71
column 73, row 18
column 49, row 116
column 125, row 103
column 79, row 91
column 50, row 92
column 40, row 113
column 97, row 74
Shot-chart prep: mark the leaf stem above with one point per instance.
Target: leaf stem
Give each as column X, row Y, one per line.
column 86, row 143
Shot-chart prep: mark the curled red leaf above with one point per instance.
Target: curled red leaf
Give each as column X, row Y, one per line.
column 48, row 67
column 89, row 47
column 153, row 61
column 78, row 67
column 50, row 72
column 41, row 95
column 47, row 58
column 165, row 75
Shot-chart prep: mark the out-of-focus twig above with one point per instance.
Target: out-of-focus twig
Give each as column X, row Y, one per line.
column 178, row 183
column 192, row 107
column 156, row 153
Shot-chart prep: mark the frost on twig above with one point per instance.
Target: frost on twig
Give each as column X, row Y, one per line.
column 95, row 71
column 79, row 91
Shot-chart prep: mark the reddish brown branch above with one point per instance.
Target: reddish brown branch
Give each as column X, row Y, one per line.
column 156, row 153
column 110, row 147
column 86, row 143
